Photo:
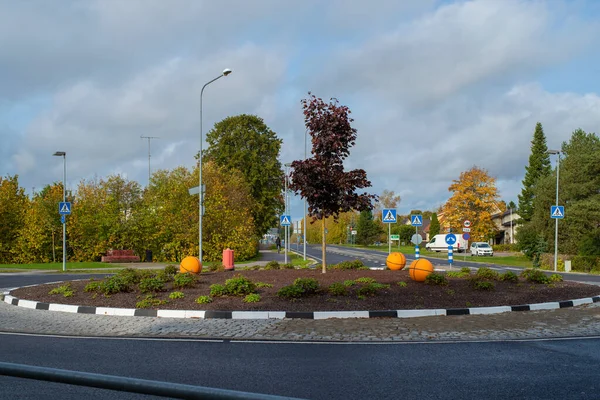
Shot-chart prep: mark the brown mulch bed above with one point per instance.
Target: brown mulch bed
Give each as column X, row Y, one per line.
column 415, row 295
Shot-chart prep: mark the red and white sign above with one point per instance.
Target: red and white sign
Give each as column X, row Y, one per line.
column 467, row 223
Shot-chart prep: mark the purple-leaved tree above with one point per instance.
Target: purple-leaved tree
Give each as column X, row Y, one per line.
column 321, row 179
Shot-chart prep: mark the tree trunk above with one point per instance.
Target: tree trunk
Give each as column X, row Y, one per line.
column 323, row 245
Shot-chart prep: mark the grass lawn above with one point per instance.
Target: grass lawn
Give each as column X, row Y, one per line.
column 56, row 266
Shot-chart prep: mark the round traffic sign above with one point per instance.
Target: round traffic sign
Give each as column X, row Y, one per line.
column 466, row 236
column 450, row 238
column 416, row 239
column 467, row 223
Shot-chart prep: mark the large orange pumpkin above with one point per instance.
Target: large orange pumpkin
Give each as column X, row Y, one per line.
column 190, row 264
column 395, row 261
column 419, row 269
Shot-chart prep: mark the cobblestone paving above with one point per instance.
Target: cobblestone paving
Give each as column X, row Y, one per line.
column 566, row 322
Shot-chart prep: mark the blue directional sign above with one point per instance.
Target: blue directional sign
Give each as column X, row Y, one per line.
column 389, row 216
column 64, row 208
column 557, row 212
column 285, row 220
column 450, row 238
column 416, row 220
column 63, row 219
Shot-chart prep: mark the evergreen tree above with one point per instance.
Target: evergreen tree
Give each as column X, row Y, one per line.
column 434, row 227
column 539, row 166
column 367, row 230
column 512, row 205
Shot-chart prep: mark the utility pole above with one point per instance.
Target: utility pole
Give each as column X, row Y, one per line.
column 149, row 138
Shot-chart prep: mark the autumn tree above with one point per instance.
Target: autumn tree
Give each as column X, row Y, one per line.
column 474, row 197
column 321, row 179
column 245, row 143
column 434, row 226
column 539, row 167
column 387, row 199
column 13, row 206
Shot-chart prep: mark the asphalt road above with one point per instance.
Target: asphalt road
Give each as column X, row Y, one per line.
column 562, row 369
column 12, row 280
column 375, row 258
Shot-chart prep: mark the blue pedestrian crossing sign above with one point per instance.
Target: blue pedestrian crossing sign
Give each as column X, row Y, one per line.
column 450, row 238
column 285, row 220
column 389, row 215
column 64, row 208
column 557, row 212
column 416, row 220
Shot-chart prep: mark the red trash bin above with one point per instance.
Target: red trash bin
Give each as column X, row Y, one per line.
column 228, row 260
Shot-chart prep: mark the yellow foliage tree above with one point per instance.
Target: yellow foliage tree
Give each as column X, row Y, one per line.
column 337, row 230
column 475, row 198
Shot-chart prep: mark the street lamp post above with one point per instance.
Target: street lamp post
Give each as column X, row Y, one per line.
column 200, row 188
column 557, row 152
column 305, row 209
column 64, row 224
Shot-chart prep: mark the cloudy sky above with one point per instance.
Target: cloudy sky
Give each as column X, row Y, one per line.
column 434, row 86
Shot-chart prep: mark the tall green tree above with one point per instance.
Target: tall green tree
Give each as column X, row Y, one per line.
column 245, row 143
column 539, row 166
column 13, row 206
column 434, row 226
column 367, row 229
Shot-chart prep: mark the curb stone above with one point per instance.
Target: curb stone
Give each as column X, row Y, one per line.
column 217, row 314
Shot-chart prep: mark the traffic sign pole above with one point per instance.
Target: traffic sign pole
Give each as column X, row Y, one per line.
column 389, row 239
column 416, row 252
column 450, row 252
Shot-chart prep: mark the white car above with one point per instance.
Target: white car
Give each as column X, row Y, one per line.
column 481, row 249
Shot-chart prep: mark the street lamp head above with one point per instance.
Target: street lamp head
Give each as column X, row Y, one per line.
column 288, row 164
column 553, row 151
column 60, row 154
column 226, row 71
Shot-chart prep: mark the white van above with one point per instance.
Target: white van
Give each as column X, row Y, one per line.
column 438, row 243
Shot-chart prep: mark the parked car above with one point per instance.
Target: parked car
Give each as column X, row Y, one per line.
column 438, row 243
column 481, row 249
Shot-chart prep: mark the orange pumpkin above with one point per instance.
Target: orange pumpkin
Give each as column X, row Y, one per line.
column 190, row 264
column 419, row 269
column 395, row 261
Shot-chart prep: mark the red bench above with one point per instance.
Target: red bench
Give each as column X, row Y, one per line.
column 121, row 256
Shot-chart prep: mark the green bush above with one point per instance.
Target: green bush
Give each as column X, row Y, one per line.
column 171, row 270
column 308, row 285
column 487, row 273
column 93, row 286
column 115, row 284
column 217, row 290
column 183, row 280
column 365, row 280
column 66, row 290
column 163, row 276
column 204, row 300
column 402, row 284
column 129, row 276
column 466, row 270
column 483, row 285
column 152, row 284
column 509, row 276
column 252, row 298
column 370, row 289
column 287, row 266
column 555, row 278
column 239, row 286
column 436, row 279
column 507, row 247
column 290, row 292
column 381, row 285
column 456, row 274
column 337, row 289
column 585, row 264
column 263, row 285
column 272, row 265
column 535, row 276
column 216, row 267
column 149, row 301
column 344, row 265
column 349, row 283
column 176, row 295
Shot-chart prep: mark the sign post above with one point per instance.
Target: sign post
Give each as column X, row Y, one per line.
column 466, row 235
column 556, row 212
column 416, row 220
column 286, row 221
column 450, row 240
column 388, row 216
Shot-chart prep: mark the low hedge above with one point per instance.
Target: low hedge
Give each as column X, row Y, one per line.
column 585, row 263
column 512, row 248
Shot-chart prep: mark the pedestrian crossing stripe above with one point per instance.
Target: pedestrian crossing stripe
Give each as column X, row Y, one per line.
column 557, row 213
column 389, row 217
column 416, row 220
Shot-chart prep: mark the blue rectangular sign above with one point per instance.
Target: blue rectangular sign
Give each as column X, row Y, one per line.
column 416, row 220
column 64, row 208
column 388, row 216
column 557, row 212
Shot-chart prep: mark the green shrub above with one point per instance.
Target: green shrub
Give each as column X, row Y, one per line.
column 456, row 274
column 216, row 267
column 163, row 276
column 171, row 270
column 115, row 284
column 466, row 270
column 176, row 295
column 337, row 289
column 361, row 297
column 507, row 247
column 483, row 285
column 365, row 280
column 93, row 286
column 349, row 283
column 402, row 284
column 263, row 285
column 509, row 276
column 308, row 285
column 370, row 289
column 129, row 276
column 344, row 265
column 380, row 285
column 555, row 278
column 252, row 298
column 487, row 273
column 152, row 284
column 239, row 286
column 217, row 290
column 287, row 266
column 290, row 292
column 183, row 280
column 534, row 275
column 436, row 279
column 254, row 268
column 149, row 301
column 204, row 300
column 272, row 265
column 66, row 290
column 585, row 263
column 450, row 292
